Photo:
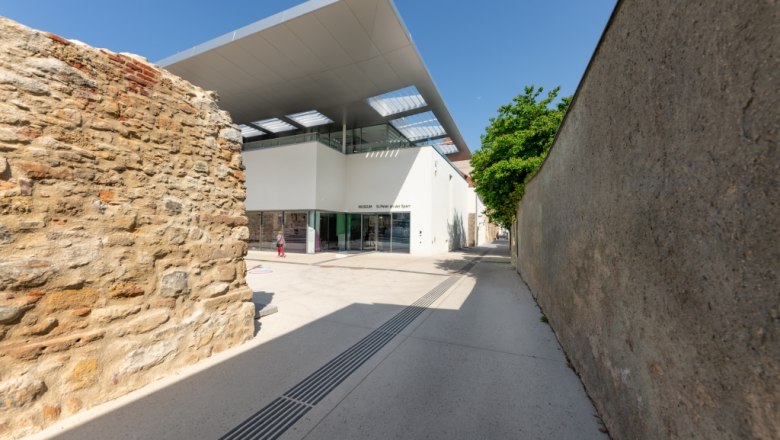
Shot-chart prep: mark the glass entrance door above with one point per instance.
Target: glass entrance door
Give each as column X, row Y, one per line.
column 401, row 227
column 369, row 232
column 354, row 227
column 386, row 232
column 328, row 232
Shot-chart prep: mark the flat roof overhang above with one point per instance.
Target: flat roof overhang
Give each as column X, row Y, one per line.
column 324, row 55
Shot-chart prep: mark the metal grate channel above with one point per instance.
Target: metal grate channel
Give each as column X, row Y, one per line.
column 468, row 267
column 315, row 387
column 272, row 421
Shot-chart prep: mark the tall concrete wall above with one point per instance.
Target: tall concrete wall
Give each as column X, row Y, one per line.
column 122, row 227
column 650, row 235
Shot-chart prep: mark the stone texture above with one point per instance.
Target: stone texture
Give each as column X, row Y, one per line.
column 84, row 374
column 146, row 321
column 9, row 314
column 147, row 357
column 215, row 289
column 20, row 392
column 174, row 284
column 650, row 236
column 121, row 227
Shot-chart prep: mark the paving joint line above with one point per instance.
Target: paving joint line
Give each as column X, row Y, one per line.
column 318, row 385
column 293, row 399
column 492, row 350
column 342, row 258
column 365, row 377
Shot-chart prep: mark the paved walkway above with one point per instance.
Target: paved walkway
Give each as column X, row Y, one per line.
column 370, row 346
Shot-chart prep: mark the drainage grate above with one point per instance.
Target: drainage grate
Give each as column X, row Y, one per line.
column 273, row 420
column 473, row 262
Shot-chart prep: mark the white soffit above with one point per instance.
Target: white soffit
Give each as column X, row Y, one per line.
column 311, row 118
column 397, row 101
column 274, row 125
column 419, row 126
column 329, row 55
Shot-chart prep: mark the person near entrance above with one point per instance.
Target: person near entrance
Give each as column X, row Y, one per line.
column 280, row 243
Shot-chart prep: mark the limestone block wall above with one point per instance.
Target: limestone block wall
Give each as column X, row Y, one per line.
column 122, row 227
column 651, row 234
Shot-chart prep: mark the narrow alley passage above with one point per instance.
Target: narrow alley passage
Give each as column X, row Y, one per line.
column 371, row 346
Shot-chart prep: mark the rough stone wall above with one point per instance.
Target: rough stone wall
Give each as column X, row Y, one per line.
column 650, row 235
column 122, row 227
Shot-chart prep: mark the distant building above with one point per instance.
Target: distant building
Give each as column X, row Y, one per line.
column 347, row 143
column 479, row 225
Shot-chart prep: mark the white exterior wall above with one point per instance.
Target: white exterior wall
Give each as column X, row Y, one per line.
column 331, row 179
column 393, row 181
column 415, row 180
column 281, row 178
column 450, row 206
column 460, row 209
column 391, row 177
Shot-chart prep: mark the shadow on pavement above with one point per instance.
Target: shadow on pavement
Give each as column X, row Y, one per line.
column 468, row 363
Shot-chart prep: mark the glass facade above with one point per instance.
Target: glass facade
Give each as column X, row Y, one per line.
column 386, row 232
column 369, row 232
column 355, row 232
column 330, row 234
column 333, row 231
column 358, row 140
column 263, row 227
column 254, row 221
column 401, row 232
column 295, row 230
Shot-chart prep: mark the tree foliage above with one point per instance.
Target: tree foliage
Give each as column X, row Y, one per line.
column 513, row 148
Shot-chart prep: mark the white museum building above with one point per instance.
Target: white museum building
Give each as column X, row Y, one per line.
column 348, row 145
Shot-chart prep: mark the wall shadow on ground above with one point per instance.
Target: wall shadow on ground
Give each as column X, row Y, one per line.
column 238, row 387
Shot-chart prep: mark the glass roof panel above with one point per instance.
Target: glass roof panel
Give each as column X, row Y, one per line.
column 446, row 147
column 248, row 131
column 397, row 101
column 274, row 125
column 311, row 118
column 419, row 126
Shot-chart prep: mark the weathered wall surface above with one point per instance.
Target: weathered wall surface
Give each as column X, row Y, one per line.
column 650, row 235
column 122, row 227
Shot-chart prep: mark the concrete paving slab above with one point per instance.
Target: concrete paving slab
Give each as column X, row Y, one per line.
column 493, row 309
column 296, row 258
column 432, row 390
column 315, row 292
column 211, row 402
column 476, row 363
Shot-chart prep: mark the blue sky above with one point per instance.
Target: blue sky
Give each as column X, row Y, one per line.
column 480, row 53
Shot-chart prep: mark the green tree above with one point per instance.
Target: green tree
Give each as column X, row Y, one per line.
column 513, row 148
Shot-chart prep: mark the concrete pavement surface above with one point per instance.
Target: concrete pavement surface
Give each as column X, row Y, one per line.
column 393, row 346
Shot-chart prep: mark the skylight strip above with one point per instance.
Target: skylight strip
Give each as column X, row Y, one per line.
column 419, row 126
column 248, row 131
column 446, row 147
column 431, row 122
column 397, row 101
column 274, row 125
column 311, row 118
